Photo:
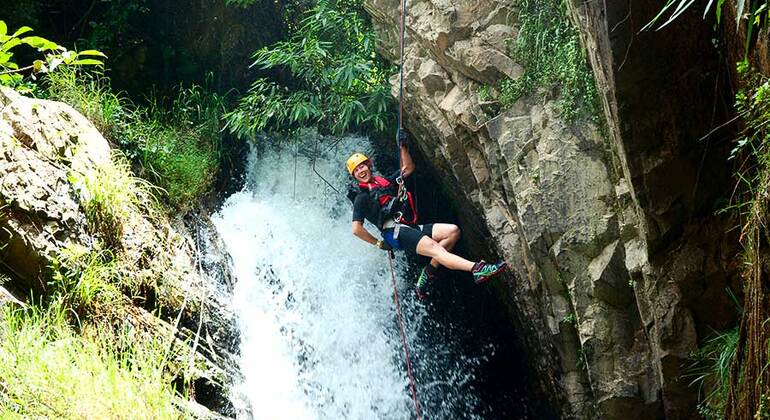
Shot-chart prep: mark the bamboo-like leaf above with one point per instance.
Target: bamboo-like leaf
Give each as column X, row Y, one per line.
column 20, row 31
column 3, row 28
column 740, row 7
column 683, row 6
column 10, row 44
column 654, row 20
column 720, row 3
column 92, row 53
column 87, row 62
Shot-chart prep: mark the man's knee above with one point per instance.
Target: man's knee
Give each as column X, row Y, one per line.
column 429, row 247
column 454, row 232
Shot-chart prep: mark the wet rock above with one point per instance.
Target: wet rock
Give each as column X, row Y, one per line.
column 586, row 217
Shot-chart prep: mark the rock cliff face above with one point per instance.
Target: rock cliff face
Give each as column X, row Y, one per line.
column 619, row 266
column 41, row 213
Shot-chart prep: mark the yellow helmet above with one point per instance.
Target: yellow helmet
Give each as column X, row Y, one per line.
column 354, row 160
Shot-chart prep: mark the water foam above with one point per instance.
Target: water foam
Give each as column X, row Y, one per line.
column 318, row 337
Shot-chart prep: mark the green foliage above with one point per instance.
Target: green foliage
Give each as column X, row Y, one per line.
column 176, row 145
column 242, row 3
column 710, row 370
column 54, row 55
column 484, row 93
column 750, row 203
column 49, row 371
column 555, row 65
column 763, row 411
column 179, row 149
column 90, row 94
column 339, row 83
column 755, row 14
column 752, row 104
column 115, row 25
column 83, row 279
column 110, row 195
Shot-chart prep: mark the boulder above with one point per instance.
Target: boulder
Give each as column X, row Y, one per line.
column 42, row 144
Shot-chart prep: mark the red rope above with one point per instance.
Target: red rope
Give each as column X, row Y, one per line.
column 403, row 340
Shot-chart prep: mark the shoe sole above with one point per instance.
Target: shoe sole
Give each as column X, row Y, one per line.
column 489, row 276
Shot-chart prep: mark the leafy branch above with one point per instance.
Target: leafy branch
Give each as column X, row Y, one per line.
column 338, row 81
column 54, row 55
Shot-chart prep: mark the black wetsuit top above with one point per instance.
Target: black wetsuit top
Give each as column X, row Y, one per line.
column 364, row 207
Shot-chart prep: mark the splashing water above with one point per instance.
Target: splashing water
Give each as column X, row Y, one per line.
column 318, row 333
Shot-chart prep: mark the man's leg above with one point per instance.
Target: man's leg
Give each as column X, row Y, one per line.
column 430, row 248
column 446, row 235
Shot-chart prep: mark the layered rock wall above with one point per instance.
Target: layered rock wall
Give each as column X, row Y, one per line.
column 610, row 231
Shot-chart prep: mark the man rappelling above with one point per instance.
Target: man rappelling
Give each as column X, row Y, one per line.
column 388, row 205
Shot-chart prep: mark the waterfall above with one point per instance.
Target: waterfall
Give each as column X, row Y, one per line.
column 315, row 309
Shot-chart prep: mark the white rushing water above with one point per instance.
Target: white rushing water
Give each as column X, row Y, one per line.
column 318, row 333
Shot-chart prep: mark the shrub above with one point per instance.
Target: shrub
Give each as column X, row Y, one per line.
column 54, row 56
column 178, row 145
column 338, row 81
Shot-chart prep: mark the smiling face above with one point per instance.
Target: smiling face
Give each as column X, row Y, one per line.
column 363, row 172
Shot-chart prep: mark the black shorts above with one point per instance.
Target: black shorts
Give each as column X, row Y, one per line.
column 408, row 236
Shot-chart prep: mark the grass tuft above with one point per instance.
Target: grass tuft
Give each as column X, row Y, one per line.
column 49, row 371
column 90, row 94
column 710, row 371
column 83, row 279
column 110, row 195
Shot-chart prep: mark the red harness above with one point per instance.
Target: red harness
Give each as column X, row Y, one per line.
column 383, row 192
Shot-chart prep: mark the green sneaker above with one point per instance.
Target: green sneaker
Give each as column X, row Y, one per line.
column 427, row 275
column 483, row 271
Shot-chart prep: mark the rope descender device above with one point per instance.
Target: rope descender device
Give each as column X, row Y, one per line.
column 401, row 194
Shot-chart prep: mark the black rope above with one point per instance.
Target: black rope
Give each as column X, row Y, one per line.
column 401, row 74
column 315, row 156
column 401, row 194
